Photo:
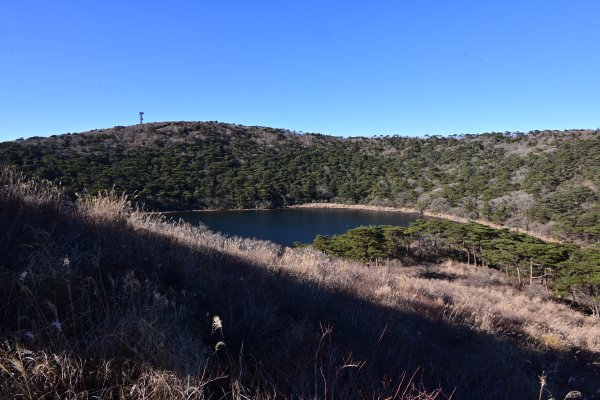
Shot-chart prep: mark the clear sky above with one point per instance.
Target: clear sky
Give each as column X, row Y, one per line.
column 336, row 67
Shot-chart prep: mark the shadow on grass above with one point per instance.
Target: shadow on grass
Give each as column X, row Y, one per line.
column 103, row 291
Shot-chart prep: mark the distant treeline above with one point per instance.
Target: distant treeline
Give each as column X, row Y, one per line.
column 541, row 181
column 567, row 269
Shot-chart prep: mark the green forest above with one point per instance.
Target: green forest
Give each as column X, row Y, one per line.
column 545, row 182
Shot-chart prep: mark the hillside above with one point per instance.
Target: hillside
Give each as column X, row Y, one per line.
column 103, row 301
column 545, row 182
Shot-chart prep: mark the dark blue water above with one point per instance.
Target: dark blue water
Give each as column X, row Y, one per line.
column 287, row 226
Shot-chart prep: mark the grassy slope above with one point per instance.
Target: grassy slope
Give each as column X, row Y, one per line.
column 102, row 300
column 545, row 182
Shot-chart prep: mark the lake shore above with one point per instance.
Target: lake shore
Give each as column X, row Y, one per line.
column 407, row 210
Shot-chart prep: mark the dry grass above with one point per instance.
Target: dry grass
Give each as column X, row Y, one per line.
column 485, row 300
column 102, row 300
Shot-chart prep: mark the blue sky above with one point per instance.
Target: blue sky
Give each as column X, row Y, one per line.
column 339, row 67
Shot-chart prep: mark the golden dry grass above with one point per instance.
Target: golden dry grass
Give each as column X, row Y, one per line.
column 104, row 301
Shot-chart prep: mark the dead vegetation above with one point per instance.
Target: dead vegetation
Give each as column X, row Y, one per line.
column 103, row 301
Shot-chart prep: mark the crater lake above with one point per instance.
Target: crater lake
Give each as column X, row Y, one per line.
column 289, row 225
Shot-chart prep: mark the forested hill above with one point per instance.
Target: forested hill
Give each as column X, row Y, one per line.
column 541, row 181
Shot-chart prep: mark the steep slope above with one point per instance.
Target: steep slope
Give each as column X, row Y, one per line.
column 545, row 182
column 102, row 300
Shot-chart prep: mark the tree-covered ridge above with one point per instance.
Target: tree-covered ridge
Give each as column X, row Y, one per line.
column 541, row 181
column 567, row 269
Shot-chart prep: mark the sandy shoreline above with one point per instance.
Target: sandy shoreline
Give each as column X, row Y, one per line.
column 406, row 210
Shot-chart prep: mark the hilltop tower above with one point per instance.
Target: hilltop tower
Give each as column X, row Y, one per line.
column 141, row 117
